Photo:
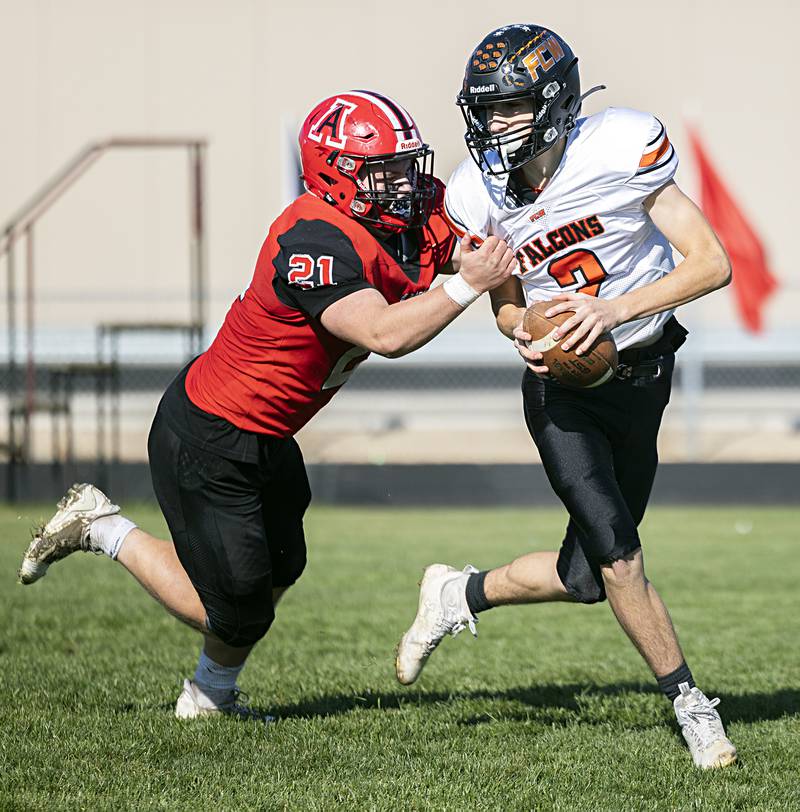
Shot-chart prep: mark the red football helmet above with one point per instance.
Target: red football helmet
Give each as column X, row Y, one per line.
column 362, row 152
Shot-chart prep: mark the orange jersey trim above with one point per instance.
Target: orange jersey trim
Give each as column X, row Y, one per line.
column 649, row 158
column 457, row 230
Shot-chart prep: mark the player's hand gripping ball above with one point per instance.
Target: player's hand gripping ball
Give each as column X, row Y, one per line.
column 592, row 368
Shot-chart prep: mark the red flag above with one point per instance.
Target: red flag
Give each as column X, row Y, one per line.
column 752, row 282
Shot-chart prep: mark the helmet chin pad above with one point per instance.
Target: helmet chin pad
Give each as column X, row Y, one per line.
column 508, row 149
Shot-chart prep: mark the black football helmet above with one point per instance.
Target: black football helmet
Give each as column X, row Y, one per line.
column 519, row 62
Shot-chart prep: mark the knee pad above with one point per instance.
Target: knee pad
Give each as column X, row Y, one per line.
column 289, row 561
column 584, row 585
column 581, row 577
column 243, row 623
column 293, row 567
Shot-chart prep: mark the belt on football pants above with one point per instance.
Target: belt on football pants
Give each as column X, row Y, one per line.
column 643, row 373
column 643, row 365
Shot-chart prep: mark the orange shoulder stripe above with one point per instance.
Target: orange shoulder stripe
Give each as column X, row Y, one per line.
column 649, row 158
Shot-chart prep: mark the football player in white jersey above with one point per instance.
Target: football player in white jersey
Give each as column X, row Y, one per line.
column 591, row 210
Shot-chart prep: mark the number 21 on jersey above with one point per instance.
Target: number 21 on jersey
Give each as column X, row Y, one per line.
column 301, row 271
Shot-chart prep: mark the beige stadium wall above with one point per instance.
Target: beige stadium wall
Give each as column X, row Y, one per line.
column 236, row 72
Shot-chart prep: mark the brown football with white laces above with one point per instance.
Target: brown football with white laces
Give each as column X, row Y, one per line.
column 592, row 368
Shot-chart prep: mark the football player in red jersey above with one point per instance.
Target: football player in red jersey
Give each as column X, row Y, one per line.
column 345, row 270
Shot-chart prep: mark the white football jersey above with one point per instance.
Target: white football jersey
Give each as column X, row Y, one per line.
column 587, row 231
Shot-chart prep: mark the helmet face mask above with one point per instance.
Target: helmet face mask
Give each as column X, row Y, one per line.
column 395, row 191
column 501, row 153
column 362, row 153
column 519, row 62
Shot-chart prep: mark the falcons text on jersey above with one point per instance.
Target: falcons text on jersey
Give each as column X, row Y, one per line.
column 587, row 231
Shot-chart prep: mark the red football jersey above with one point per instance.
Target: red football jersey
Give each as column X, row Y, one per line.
column 273, row 365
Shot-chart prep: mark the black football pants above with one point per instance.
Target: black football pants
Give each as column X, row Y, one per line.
column 237, row 527
column 598, row 448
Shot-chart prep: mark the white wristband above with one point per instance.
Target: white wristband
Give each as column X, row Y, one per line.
column 460, row 291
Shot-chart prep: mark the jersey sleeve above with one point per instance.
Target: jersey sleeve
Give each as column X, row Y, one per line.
column 465, row 206
column 316, row 266
column 657, row 159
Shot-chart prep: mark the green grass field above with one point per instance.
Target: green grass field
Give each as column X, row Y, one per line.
column 550, row 708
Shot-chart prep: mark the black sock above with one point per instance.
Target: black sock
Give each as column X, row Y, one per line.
column 476, row 597
column 669, row 682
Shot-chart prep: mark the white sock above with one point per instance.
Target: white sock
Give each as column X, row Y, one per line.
column 108, row 532
column 213, row 679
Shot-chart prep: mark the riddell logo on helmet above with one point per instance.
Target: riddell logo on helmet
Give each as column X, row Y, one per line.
column 483, row 88
column 415, row 144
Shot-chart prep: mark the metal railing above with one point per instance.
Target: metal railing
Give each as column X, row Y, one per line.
column 20, row 227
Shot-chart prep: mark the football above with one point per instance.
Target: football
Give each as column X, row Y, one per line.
column 590, row 369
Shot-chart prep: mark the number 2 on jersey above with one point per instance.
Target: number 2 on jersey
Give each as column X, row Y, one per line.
column 577, row 265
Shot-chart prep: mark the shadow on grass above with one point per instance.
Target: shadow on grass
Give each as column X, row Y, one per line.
column 559, row 705
column 555, row 704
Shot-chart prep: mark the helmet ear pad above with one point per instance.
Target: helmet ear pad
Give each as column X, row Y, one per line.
column 568, row 100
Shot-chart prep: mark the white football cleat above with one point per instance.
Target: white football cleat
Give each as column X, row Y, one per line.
column 442, row 610
column 702, row 728
column 66, row 532
column 193, row 703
